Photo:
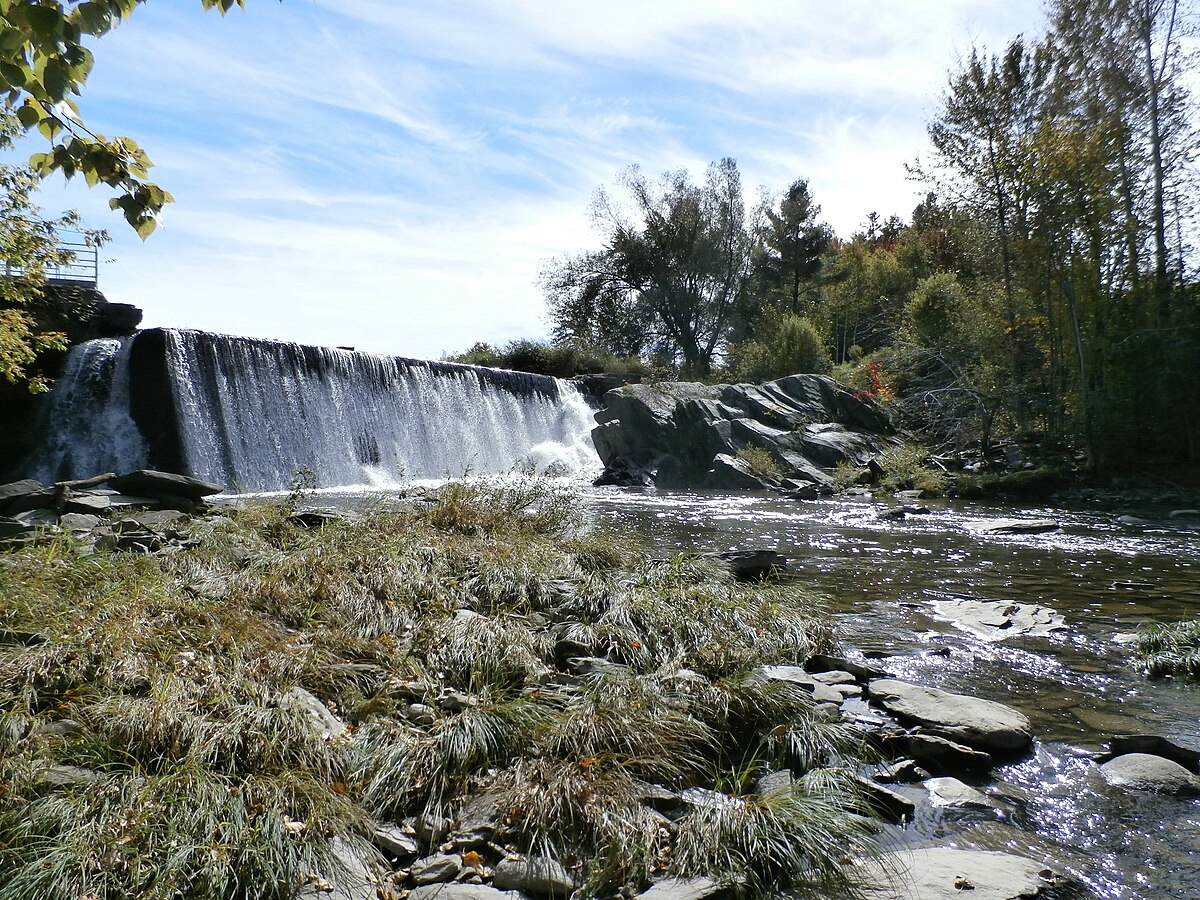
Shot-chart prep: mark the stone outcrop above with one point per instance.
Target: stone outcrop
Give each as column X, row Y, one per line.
column 685, row 434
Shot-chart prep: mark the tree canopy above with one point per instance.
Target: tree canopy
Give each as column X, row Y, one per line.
column 44, row 64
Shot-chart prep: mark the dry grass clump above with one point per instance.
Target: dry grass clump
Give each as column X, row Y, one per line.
column 156, row 740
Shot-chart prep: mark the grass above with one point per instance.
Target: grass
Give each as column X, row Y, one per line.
column 150, row 748
column 1172, row 649
column 905, row 468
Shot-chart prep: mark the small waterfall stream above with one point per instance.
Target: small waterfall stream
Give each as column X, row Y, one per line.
column 251, row 414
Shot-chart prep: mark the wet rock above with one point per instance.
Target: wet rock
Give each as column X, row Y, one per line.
column 1133, row 520
column 995, row 620
column 435, row 869
column 151, row 483
column 753, row 565
column 1146, row 772
column 1152, row 744
column 538, row 875
column 951, row 793
column 821, row 662
column 892, row 806
column 903, row 771
column 1018, row 526
column 686, row 889
column 941, row 873
column 939, row 755
column 1184, row 514
column 980, row 724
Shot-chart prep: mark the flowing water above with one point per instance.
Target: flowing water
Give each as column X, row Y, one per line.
column 884, row 580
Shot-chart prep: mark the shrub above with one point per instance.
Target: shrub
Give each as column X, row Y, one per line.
column 1172, row 649
column 761, row 463
column 783, row 344
column 904, row 468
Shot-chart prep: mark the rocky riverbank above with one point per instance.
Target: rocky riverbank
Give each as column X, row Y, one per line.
column 460, row 694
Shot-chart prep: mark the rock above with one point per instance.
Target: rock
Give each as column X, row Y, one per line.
column 685, row 434
column 1153, row 744
column 432, row 830
column 19, row 503
column 1018, row 526
column 995, row 620
column 434, row 869
column 686, row 889
column 87, row 504
column 939, row 755
column 324, row 723
column 833, row 677
column 822, row 693
column 1145, row 772
column 941, row 873
column 395, row 842
column 78, row 521
column 460, row 891
column 774, row 781
column 753, row 565
column 315, row 518
column 890, row 805
column 38, row 518
column 352, row 881
column 1132, row 520
column 904, row 771
column 821, row 662
column 152, row 483
column 952, row 793
column 1184, row 514
column 24, row 488
column 538, row 875
column 980, row 724
column 14, row 527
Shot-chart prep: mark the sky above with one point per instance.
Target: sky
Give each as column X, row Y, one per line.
column 393, row 174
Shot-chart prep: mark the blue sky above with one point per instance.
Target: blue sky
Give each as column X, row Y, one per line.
column 392, row 175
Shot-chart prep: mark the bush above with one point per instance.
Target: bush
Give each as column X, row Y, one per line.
column 761, row 463
column 784, row 344
column 904, row 468
column 1173, row 649
column 543, row 358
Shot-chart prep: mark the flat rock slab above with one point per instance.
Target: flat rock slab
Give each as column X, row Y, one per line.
column 995, row 620
column 1145, row 772
column 980, row 724
column 822, row 693
column 685, row 889
column 148, row 481
column 1018, row 526
column 954, row 794
column 940, row 873
column 455, row 891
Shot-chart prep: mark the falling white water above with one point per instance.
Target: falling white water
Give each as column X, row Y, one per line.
column 253, row 414
column 86, row 428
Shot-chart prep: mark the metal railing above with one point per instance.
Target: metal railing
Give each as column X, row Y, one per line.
column 83, row 269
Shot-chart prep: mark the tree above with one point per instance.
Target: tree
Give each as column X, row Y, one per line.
column 43, row 63
column 29, row 246
column 673, row 270
column 791, row 246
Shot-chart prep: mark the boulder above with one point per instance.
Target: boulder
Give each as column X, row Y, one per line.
column 1153, row 744
column 822, row 662
column 151, row 483
column 435, row 869
column 324, row 723
column 753, row 565
column 995, row 620
column 395, row 842
column 1018, row 526
column 1146, row 772
column 940, row 873
column 685, row 434
column 890, row 805
column 822, row 693
column 537, row 875
column 980, row 724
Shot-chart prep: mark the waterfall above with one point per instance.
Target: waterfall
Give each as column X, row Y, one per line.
column 250, row 414
column 86, row 428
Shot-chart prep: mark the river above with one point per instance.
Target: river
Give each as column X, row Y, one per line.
column 884, row 580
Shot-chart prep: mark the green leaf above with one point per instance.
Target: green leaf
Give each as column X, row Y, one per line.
column 145, row 227
column 28, row 116
column 45, row 20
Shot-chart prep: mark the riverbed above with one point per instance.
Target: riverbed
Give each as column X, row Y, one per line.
column 885, row 580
